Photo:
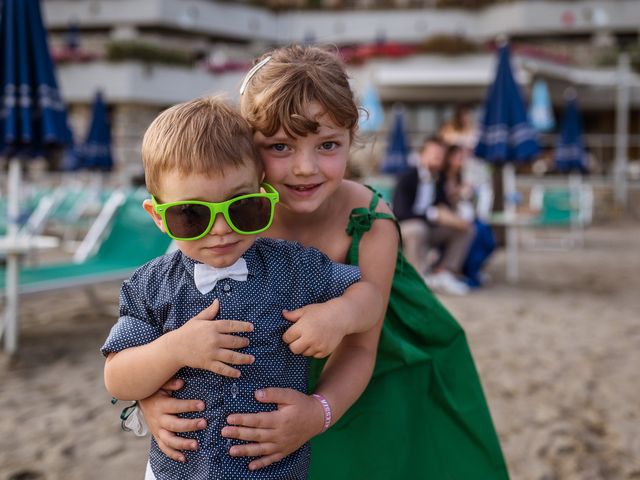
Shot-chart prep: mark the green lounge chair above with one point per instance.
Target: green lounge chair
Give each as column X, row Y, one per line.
column 563, row 214
column 133, row 240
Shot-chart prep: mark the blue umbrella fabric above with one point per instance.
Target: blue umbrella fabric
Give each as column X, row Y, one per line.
column 570, row 154
column 72, row 36
column 71, row 160
column 506, row 135
column 397, row 153
column 540, row 109
column 95, row 152
column 33, row 114
column 372, row 118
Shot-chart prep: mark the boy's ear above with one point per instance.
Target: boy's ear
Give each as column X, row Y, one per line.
column 157, row 219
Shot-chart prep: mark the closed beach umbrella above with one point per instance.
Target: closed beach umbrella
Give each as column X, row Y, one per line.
column 540, row 108
column 94, row 153
column 506, row 137
column 570, row 154
column 96, row 150
column 397, row 154
column 32, row 115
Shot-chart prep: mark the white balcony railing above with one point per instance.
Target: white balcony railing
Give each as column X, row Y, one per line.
column 136, row 82
column 238, row 21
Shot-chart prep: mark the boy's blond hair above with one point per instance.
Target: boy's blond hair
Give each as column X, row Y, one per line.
column 278, row 94
column 203, row 136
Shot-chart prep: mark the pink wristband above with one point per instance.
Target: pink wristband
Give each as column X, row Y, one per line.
column 326, row 408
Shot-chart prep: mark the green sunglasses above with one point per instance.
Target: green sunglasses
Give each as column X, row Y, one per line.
column 193, row 219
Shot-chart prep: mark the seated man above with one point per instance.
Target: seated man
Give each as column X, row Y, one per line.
column 427, row 220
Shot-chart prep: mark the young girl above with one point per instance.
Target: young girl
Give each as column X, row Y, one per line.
column 423, row 413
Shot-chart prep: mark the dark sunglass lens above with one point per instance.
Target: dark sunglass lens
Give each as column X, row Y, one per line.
column 250, row 214
column 188, row 220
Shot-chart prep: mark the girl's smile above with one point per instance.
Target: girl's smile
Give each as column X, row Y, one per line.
column 304, row 189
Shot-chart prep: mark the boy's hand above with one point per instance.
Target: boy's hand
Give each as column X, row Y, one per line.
column 206, row 343
column 318, row 328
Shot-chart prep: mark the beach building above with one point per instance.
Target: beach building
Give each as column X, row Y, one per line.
column 427, row 54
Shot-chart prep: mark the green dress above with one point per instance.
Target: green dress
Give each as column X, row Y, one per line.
column 423, row 414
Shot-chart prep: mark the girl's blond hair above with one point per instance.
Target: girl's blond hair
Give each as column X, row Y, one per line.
column 278, row 94
column 203, row 136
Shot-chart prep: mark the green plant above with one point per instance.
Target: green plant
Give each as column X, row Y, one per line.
column 473, row 4
column 609, row 58
column 122, row 50
column 448, row 45
column 634, row 58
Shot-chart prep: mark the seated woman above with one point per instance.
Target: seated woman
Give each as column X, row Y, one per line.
column 459, row 196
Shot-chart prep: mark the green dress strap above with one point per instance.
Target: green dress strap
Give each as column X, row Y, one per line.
column 360, row 222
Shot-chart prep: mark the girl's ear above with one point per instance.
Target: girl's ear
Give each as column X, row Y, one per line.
column 157, row 219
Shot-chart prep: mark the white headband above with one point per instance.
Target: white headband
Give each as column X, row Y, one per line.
column 252, row 72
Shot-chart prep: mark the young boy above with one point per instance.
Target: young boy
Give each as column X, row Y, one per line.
column 203, row 173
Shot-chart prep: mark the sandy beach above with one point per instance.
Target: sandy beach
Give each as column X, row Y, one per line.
column 558, row 353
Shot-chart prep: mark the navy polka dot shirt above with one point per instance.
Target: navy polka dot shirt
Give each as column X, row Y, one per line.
column 161, row 296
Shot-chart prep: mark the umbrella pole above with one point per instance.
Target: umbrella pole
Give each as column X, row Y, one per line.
column 13, row 197
column 12, row 272
column 509, row 188
column 623, row 105
column 576, row 209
